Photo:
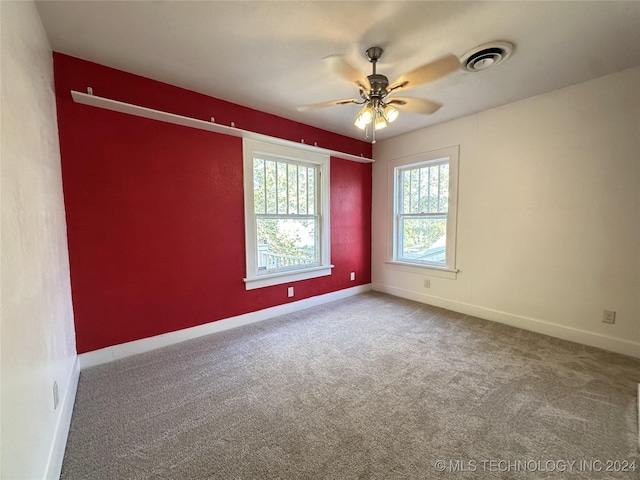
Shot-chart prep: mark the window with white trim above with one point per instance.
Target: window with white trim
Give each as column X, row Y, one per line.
column 286, row 192
column 425, row 207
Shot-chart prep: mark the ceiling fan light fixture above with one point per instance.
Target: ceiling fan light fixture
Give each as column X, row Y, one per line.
column 365, row 117
column 367, row 113
column 390, row 113
column 380, row 122
column 377, row 112
column 360, row 124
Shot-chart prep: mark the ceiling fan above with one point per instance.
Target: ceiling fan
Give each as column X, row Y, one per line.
column 375, row 90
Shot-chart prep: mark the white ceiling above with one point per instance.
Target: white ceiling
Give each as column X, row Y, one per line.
column 268, row 55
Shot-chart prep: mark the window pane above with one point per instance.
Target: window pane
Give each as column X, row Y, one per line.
column 414, row 186
column 283, row 188
column 423, row 239
column 270, row 180
column 283, row 191
column 311, row 191
column 292, row 193
column 444, row 188
column 286, row 243
column 424, row 190
column 258, row 185
column 404, row 192
column 302, row 190
column 281, row 182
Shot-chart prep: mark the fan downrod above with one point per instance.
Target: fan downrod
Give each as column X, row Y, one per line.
column 379, row 83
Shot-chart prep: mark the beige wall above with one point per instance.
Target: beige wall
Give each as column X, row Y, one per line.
column 549, row 213
column 38, row 341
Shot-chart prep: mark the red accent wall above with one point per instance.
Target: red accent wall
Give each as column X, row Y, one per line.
column 155, row 213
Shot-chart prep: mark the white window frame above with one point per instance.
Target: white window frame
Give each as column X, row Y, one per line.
column 449, row 270
column 254, row 277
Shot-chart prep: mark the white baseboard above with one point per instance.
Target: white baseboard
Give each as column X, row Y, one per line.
column 584, row 337
column 109, row 354
column 56, row 455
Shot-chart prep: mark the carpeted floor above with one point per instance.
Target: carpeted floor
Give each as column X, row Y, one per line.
column 371, row 387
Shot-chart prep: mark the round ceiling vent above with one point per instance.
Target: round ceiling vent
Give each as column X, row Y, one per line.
column 485, row 56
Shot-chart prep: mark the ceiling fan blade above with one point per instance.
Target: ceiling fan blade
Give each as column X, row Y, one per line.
column 416, row 105
column 330, row 103
column 427, row 73
column 339, row 65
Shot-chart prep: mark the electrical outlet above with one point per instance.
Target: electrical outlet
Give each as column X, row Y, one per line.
column 427, row 283
column 56, row 395
column 353, row 276
column 609, row 316
column 290, row 292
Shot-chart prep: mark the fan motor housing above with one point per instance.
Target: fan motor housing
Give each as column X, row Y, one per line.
column 379, row 84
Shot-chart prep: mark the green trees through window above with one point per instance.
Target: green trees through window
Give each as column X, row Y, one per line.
column 285, row 195
column 422, row 207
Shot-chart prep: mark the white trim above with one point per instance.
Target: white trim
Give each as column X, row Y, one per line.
column 286, row 277
column 584, row 337
column 430, row 270
column 144, row 112
column 254, row 279
column 109, row 354
column 61, row 433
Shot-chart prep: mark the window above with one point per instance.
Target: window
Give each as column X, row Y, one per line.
column 424, row 206
column 286, row 214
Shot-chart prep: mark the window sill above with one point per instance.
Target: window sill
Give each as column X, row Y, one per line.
column 432, row 270
column 268, row 280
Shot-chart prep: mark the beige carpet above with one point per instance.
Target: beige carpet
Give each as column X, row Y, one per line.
column 371, row 387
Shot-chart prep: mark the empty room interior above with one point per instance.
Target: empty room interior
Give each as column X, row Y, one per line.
column 318, row 239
